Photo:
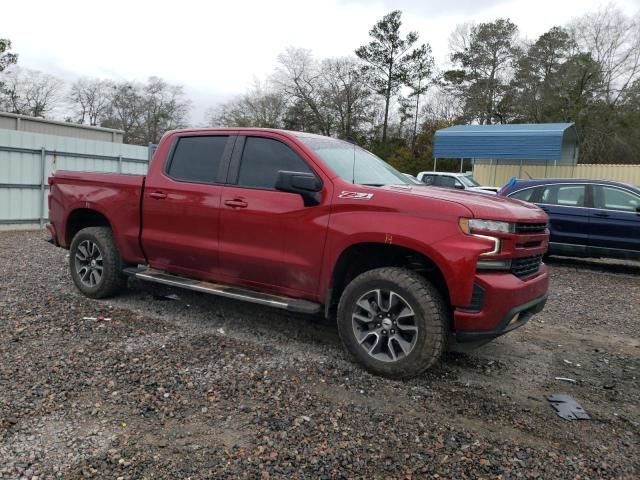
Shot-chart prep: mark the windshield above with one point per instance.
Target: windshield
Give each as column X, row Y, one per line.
column 354, row 164
column 468, row 181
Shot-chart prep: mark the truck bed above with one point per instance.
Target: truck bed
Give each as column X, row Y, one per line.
column 116, row 196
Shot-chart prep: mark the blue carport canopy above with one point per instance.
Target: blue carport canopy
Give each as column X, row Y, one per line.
column 526, row 141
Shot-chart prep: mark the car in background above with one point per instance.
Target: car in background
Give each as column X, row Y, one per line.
column 461, row 181
column 412, row 180
column 588, row 218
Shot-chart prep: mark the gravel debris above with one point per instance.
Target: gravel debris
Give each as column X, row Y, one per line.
column 205, row 387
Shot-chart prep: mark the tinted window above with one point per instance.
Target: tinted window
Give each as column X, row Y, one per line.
column 616, row 199
column 261, row 160
column 445, row 181
column 565, row 195
column 197, row 159
column 429, row 179
column 524, row 195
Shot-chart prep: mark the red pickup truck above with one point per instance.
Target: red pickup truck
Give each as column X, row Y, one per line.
column 310, row 224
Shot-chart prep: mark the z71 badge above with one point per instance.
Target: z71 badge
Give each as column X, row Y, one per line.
column 356, row 195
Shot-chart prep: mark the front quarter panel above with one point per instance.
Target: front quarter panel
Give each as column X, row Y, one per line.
column 428, row 227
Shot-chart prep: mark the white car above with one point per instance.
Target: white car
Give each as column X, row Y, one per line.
column 462, row 181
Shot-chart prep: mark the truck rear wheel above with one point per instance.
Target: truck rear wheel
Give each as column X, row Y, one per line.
column 392, row 321
column 95, row 263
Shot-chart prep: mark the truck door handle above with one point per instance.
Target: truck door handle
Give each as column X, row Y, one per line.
column 236, row 203
column 158, row 195
column 600, row 214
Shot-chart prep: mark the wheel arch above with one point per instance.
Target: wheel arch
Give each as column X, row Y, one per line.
column 360, row 257
column 82, row 218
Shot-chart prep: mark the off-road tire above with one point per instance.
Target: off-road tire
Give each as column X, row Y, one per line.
column 430, row 318
column 112, row 279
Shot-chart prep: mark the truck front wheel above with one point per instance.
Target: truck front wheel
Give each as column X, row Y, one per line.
column 95, row 263
column 392, row 320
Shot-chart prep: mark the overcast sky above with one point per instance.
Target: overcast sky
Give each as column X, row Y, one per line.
column 215, row 48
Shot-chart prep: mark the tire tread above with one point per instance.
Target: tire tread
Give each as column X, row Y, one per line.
column 430, row 301
column 113, row 278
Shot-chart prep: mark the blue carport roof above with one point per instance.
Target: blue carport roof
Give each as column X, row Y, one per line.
column 525, row 141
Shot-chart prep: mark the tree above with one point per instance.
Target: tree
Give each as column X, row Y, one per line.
column 420, row 70
column 90, row 98
column 262, row 106
column 125, row 111
column 486, row 55
column 442, row 106
column 300, row 78
column 346, row 95
column 146, row 111
column 386, row 60
column 613, row 40
column 30, row 92
column 540, row 74
column 627, row 146
column 164, row 107
column 405, row 114
column 6, row 58
column 390, row 100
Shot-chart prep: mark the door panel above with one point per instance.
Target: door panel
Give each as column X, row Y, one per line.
column 273, row 239
column 616, row 221
column 269, row 237
column 181, row 207
column 568, row 216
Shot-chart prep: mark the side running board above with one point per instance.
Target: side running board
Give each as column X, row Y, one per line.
column 238, row 293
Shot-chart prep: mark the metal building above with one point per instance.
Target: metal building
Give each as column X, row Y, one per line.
column 541, row 142
column 24, row 123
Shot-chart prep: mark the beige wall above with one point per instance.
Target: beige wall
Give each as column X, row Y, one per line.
column 488, row 174
column 23, row 123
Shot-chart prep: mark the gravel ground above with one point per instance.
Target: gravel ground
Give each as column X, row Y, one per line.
column 203, row 387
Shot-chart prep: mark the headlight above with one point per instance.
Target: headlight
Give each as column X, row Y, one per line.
column 472, row 225
column 478, row 227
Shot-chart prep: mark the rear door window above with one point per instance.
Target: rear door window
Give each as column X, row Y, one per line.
column 262, row 158
column 428, row 179
column 613, row 198
column 197, row 159
column 524, row 195
column 564, row 195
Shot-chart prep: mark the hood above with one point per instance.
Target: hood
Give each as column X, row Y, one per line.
column 481, row 205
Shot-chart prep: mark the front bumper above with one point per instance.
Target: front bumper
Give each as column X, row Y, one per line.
column 509, row 302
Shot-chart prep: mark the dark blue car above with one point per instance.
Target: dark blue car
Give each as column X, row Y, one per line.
column 588, row 218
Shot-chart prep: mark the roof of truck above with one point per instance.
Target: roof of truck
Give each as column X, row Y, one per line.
column 247, row 129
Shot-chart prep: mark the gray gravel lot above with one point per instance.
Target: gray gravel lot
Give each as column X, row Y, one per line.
column 203, row 387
